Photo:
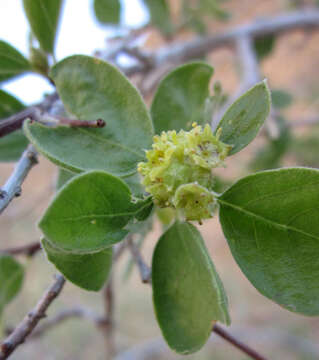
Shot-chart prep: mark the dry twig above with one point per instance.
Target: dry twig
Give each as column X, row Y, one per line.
column 25, row 328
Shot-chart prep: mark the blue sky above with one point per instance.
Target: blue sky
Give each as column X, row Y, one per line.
column 79, row 33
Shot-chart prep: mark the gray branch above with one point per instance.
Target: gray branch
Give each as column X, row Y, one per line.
column 144, row 269
column 273, row 25
column 12, row 187
column 64, row 315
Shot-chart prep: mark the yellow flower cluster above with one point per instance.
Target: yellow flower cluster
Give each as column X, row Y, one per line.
column 178, row 174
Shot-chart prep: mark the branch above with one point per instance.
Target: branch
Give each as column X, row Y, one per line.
column 238, row 344
column 25, row 328
column 76, row 312
column 14, row 122
column 12, row 187
column 250, row 73
column 29, row 249
column 106, row 324
column 273, row 25
column 144, row 269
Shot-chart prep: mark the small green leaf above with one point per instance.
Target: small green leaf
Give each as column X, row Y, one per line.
column 271, row 222
column 281, row 98
column 91, row 89
column 264, row 46
column 306, row 148
column 88, row 271
column 43, row 16
column 243, row 119
column 12, row 62
column 11, row 279
column 271, row 154
column 63, row 177
column 160, row 15
column 181, row 98
column 89, row 213
column 108, row 11
column 12, row 145
column 134, row 183
column 187, row 292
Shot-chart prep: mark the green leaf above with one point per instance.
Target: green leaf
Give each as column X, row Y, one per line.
column 12, row 145
column 244, row 117
column 306, row 148
column 91, row 89
column 12, row 62
column 11, row 279
column 134, row 183
column 271, row 222
column 271, row 154
column 43, row 16
column 281, row 98
column 160, row 15
column 63, row 177
column 88, row 271
column 264, row 46
column 187, row 292
column 181, row 97
column 107, row 11
column 89, row 213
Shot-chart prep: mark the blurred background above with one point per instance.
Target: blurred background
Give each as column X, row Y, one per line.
column 291, row 66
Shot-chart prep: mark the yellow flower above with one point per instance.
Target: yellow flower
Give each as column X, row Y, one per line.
column 178, row 173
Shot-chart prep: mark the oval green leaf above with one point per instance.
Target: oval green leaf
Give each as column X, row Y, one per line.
column 271, row 222
column 160, row 15
column 43, row 16
column 107, row 11
column 12, row 62
column 88, row 271
column 12, row 145
column 63, row 177
column 89, row 213
column 264, row 46
column 244, row 118
column 281, row 98
column 187, row 292
column 91, row 89
column 11, row 279
column 181, row 98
